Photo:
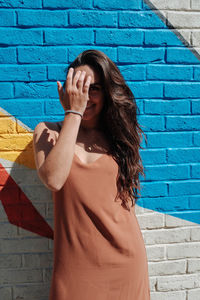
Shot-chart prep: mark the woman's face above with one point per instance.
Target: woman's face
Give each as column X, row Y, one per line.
column 95, row 94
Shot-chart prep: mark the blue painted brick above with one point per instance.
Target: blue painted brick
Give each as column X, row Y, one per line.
column 169, row 139
column 140, row 20
column 118, row 4
column 181, row 90
column 53, row 107
column 140, row 55
column 194, row 202
column 36, row 90
column 195, row 106
column 153, row 156
column 195, row 171
column 8, row 56
column 161, row 38
column 183, row 123
column 116, row 37
column 6, row 90
column 24, row 107
column 133, row 72
column 180, row 55
column 185, row 187
column 167, row 204
column 109, row 51
column 154, row 189
column 68, row 36
column 20, row 36
column 146, row 89
column 22, row 73
column 36, row 18
column 167, row 107
column 67, row 4
column 7, row 18
column 21, row 4
column 196, row 138
column 57, row 72
column 93, row 18
column 152, row 123
column 46, row 55
column 167, row 172
column 184, row 155
column 197, row 73
column 169, row 72
column 139, row 103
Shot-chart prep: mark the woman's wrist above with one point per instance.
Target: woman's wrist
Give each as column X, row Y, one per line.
column 73, row 111
column 72, row 116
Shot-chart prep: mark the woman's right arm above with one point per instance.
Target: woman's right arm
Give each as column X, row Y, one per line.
column 54, row 158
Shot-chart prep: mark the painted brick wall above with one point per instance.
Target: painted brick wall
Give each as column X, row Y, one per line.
column 156, row 46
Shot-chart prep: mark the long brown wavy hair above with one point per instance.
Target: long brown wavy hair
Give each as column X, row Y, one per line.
column 119, row 123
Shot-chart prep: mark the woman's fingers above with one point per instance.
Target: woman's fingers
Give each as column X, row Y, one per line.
column 60, row 90
column 87, row 84
column 68, row 82
column 81, row 80
column 76, row 78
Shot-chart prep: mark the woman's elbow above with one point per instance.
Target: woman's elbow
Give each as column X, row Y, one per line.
column 50, row 182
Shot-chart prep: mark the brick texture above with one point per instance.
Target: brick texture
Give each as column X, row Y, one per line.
column 155, row 44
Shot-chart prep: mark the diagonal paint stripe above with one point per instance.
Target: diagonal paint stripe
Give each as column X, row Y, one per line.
column 16, row 141
column 19, row 209
column 176, row 21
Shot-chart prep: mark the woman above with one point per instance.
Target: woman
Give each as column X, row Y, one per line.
column 91, row 163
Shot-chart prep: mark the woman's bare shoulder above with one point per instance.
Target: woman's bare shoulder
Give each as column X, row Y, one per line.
column 51, row 126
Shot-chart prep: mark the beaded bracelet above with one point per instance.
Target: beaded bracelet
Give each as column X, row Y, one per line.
column 73, row 111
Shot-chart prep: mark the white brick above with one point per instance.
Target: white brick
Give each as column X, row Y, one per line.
column 166, row 236
column 50, row 212
column 48, row 274
column 195, row 234
column 184, row 19
column 170, row 283
column 31, row 292
column 8, row 230
column 183, row 250
column 193, row 265
column 139, row 210
column 6, row 293
column 23, row 245
column 167, row 268
column 152, row 283
column 37, row 193
column 173, row 4
column 195, row 4
column 18, row 275
column 155, row 253
column 44, row 260
column 193, row 294
column 168, row 296
column 10, row 261
column 185, row 33
column 25, row 176
column 196, row 38
column 171, row 221
column 150, row 221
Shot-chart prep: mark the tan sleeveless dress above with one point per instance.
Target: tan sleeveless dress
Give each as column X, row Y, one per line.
column 99, row 251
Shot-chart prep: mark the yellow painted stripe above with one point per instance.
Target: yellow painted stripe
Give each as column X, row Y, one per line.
column 16, row 142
